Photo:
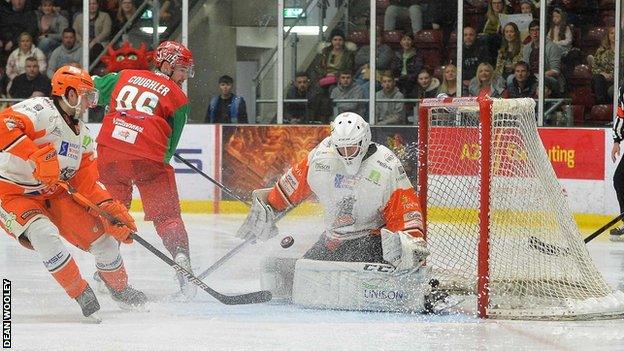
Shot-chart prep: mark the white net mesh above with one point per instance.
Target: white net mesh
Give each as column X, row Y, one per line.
column 539, row 265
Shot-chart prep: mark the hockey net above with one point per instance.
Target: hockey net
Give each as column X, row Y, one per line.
column 499, row 227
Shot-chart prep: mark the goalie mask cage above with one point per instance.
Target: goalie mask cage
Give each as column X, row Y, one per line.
column 497, row 221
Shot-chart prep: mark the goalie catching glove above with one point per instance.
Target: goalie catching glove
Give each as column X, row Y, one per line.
column 260, row 222
column 124, row 225
column 403, row 251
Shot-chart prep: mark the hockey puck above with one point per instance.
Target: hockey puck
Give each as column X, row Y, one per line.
column 287, row 242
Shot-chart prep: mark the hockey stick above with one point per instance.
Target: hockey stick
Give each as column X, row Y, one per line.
column 254, row 297
column 240, row 246
column 233, row 252
column 554, row 250
column 214, row 181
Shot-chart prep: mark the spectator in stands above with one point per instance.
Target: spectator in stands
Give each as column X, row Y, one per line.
column 403, row 8
column 491, row 30
column 30, row 83
column 102, row 26
column 124, row 13
column 560, row 32
column 297, row 112
column 389, row 112
column 602, row 65
column 171, row 11
column 346, row 89
column 552, row 59
column 474, row 53
column 523, row 84
column 15, row 20
column 575, row 9
column 383, row 58
column 226, row 107
column 527, row 6
column 51, row 25
column 510, row 51
column 406, row 64
column 449, row 80
column 16, row 64
column 333, row 59
column 486, row 82
column 70, row 51
column 426, row 87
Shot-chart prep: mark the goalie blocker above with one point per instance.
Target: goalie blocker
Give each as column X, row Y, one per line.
column 346, row 285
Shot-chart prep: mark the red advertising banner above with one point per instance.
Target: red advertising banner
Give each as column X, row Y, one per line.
column 575, row 153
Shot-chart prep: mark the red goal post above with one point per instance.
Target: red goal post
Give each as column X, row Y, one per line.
column 488, row 193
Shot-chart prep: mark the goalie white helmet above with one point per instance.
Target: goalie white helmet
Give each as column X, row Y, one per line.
column 350, row 137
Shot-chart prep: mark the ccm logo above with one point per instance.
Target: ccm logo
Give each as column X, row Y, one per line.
column 373, row 267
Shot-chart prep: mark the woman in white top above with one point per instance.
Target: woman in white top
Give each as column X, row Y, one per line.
column 16, row 63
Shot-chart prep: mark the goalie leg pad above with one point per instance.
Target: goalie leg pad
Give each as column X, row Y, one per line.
column 276, row 276
column 359, row 286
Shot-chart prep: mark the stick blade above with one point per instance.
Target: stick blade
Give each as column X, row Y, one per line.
column 547, row 249
column 246, row 299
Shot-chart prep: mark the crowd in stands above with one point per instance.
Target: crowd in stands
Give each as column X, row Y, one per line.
column 415, row 53
column 50, row 31
column 415, row 57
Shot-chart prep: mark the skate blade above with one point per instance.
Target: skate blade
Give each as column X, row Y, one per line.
column 133, row 308
column 180, row 296
column 616, row 238
column 93, row 319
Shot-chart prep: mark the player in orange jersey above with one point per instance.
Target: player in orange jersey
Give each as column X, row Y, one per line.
column 43, row 141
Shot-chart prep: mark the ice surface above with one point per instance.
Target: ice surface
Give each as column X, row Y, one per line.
column 44, row 318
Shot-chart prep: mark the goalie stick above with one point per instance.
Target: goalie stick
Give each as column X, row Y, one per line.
column 249, row 298
column 555, row 250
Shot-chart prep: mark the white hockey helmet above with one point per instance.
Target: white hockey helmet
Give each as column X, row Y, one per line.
column 350, row 137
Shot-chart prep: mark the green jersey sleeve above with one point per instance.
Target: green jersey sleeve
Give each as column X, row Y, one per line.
column 177, row 123
column 105, row 86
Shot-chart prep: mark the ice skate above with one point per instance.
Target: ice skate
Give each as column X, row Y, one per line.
column 89, row 304
column 188, row 290
column 128, row 299
column 617, row 234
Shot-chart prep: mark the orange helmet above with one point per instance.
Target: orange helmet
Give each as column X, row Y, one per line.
column 77, row 79
column 174, row 53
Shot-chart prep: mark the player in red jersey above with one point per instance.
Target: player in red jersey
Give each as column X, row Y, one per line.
column 140, row 132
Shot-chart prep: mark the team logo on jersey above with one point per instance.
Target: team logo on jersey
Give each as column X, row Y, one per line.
column 342, row 181
column 124, row 134
column 38, row 107
column 14, row 123
column 69, row 149
column 321, row 167
column 345, row 215
column 289, row 183
column 86, row 141
column 67, row 173
column 8, row 220
column 31, row 213
column 374, row 176
column 383, row 164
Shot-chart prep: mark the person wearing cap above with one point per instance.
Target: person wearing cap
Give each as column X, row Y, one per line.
column 333, row 59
